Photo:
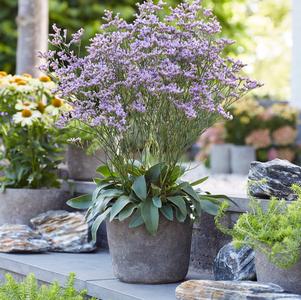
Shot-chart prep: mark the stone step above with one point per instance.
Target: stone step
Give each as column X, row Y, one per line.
column 93, row 272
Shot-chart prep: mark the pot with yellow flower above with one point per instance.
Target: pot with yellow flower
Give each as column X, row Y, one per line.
column 32, row 148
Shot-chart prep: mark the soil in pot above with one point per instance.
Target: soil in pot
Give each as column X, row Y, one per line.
column 288, row 279
column 139, row 257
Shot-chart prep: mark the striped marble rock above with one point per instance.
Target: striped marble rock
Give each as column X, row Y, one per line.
column 64, row 231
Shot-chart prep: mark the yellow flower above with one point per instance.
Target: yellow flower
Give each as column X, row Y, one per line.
column 244, row 120
column 3, row 74
column 26, row 117
column 27, row 75
column 56, row 106
column 45, row 79
column 41, row 107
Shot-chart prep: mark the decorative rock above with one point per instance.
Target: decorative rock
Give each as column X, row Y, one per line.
column 273, row 178
column 64, row 231
column 234, row 264
column 21, row 238
column 227, row 290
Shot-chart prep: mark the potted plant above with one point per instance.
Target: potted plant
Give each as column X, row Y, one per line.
column 32, row 148
column 274, row 234
column 147, row 90
column 83, row 153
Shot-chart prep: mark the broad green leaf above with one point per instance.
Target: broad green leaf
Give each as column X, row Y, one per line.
column 127, row 212
column 167, row 212
column 155, row 190
column 81, row 202
column 139, row 187
column 111, row 193
column 209, row 207
column 104, row 170
column 153, row 173
column 136, row 219
column 187, row 188
column 157, row 201
column 180, row 217
column 150, row 216
column 197, row 182
column 179, row 202
column 120, row 203
column 97, row 223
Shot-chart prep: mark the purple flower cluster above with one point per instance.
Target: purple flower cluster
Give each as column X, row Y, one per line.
column 133, row 68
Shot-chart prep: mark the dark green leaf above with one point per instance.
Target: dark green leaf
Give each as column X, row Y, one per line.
column 153, row 173
column 81, row 202
column 180, row 217
column 179, row 202
column 209, row 207
column 188, row 189
column 150, row 216
column 120, row 203
column 157, row 201
column 167, row 212
column 136, row 219
column 97, row 223
column 139, row 187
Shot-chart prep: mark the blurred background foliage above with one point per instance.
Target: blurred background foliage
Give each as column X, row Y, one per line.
column 260, row 27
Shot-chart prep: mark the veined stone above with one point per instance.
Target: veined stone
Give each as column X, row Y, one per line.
column 234, row 264
column 64, row 231
column 21, row 238
column 273, row 178
column 230, row 290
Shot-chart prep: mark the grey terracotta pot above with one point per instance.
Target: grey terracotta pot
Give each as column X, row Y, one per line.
column 139, row 257
column 241, row 158
column 18, row 206
column 82, row 166
column 288, row 279
column 220, row 159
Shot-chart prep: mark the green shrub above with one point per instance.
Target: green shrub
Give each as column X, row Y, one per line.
column 274, row 231
column 29, row 289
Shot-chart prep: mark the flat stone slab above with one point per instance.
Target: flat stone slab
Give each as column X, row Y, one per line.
column 93, row 272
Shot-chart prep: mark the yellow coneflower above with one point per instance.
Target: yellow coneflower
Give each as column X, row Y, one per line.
column 26, row 117
column 3, row 74
column 41, row 107
column 27, row 75
column 45, row 79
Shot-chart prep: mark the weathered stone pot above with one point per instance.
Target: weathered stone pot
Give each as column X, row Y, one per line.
column 288, row 279
column 241, row 158
column 139, row 257
column 82, row 166
column 18, row 206
column 220, row 159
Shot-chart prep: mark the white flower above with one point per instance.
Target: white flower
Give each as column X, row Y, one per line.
column 26, row 117
column 25, row 105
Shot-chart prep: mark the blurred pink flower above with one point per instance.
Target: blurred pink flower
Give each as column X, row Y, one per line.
column 259, row 138
column 266, row 115
column 286, row 153
column 284, row 136
column 213, row 135
column 272, row 154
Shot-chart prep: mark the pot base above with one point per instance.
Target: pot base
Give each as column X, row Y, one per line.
column 139, row 257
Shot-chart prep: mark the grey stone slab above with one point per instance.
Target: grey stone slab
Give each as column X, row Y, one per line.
column 126, row 291
column 92, row 266
column 93, row 272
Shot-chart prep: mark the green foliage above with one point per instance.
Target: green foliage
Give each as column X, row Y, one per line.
column 29, row 289
column 147, row 194
column 274, row 231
